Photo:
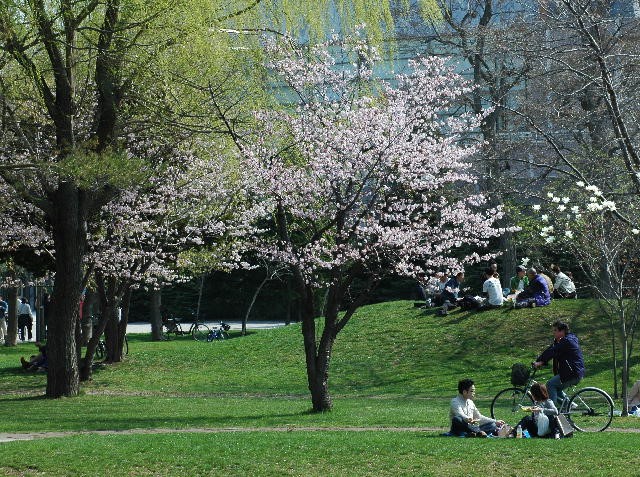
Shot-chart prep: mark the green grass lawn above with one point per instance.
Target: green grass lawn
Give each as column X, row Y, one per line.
column 393, row 367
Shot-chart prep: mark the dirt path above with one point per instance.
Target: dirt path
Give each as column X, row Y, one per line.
column 26, row 436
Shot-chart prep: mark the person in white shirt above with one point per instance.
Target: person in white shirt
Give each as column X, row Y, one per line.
column 563, row 287
column 464, row 415
column 493, row 289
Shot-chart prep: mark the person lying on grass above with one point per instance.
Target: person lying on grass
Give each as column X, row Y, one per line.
column 465, row 417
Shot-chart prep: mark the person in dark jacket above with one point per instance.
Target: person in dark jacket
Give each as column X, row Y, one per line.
column 568, row 364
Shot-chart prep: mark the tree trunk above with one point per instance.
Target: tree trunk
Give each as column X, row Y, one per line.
column 69, row 233
column 253, row 301
column 111, row 340
column 156, row 315
column 318, row 355
column 12, row 326
column 625, row 371
column 87, row 363
column 122, row 325
column 614, row 356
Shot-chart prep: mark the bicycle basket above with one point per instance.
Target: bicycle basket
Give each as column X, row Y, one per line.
column 520, row 374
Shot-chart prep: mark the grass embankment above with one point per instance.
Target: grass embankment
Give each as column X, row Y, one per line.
column 393, row 366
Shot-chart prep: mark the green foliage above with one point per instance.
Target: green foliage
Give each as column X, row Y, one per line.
column 93, row 170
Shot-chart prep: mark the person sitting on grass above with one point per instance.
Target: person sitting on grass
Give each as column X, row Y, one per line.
column 563, row 287
column 536, row 294
column 493, row 289
column 36, row 362
column 540, row 422
column 520, row 281
column 466, row 420
column 450, row 293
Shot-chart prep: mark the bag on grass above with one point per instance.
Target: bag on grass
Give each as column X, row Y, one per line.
column 563, row 426
column 505, row 430
column 520, row 374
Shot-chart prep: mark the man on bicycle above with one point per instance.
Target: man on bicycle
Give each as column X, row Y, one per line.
column 568, row 364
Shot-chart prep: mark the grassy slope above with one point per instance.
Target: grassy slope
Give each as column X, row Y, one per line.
column 393, row 365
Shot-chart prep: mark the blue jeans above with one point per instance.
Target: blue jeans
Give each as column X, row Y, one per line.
column 556, row 388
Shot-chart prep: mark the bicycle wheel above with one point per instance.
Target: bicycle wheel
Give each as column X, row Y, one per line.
column 200, row 332
column 507, row 402
column 590, row 410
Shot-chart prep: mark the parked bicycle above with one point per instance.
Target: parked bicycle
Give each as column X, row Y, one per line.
column 589, row 409
column 197, row 329
column 101, row 350
column 219, row 333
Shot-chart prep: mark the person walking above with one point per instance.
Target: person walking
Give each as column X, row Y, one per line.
column 25, row 320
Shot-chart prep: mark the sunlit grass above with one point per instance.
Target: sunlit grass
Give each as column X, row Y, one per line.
column 394, row 367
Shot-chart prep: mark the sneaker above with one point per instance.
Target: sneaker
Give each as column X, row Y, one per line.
column 533, row 304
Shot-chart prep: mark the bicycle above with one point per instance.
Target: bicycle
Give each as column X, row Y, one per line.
column 589, row 409
column 219, row 333
column 198, row 330
column 101, row 349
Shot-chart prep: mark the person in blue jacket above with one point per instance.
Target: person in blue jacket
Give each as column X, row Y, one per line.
column 536, row 293
column 568, row 364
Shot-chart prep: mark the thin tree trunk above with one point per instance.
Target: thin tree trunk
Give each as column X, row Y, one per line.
column 253, row 301
column 614, row 356
column 122, row 324
column 156, row 315
column 86, row 367
column 12, row 326
column 625, row 372
column 111, row 333
column 199, row 298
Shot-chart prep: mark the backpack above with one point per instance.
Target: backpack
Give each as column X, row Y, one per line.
column 469, row 302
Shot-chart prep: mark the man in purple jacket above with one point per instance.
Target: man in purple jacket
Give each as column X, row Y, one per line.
column 568, row 364
column 536, row 293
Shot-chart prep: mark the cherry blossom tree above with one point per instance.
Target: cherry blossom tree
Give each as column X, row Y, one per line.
column 363, row 179
column 149, row 235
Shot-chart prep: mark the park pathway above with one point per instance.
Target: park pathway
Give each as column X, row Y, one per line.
column 26, row 436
